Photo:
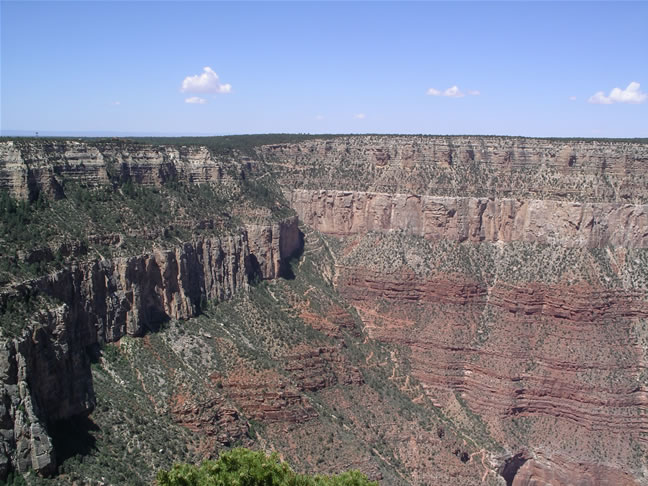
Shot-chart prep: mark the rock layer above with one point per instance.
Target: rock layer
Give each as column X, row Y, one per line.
column 46, row 373
column 573, row 224
column 555, row 471
column 464, row 361
column 551, row 358
column 502, row 167
column 27, row 169
column 555, row 365
column 534, row 359
column 265, row 396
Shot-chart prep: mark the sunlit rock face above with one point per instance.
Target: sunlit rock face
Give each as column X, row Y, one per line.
column 29, row 169
column 572, row 224
column 508, row 278
column 513, row 271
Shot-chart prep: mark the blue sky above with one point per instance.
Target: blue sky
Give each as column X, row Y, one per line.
column 527, row 68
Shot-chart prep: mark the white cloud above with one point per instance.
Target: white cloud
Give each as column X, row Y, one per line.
column 631, row 94
column 359, row 116
column 599, row 98
column 572, row 98
column 452, row 92
column 195, row 100
column 207, row 82
column 116, row 102
column 319, row 117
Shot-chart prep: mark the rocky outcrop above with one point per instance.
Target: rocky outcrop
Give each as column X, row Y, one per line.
column 29, row 168
column 465, row 166
column 332, row 323
column 314, row 369
column 270, row 245
column 523, row 470
column 46, row 370
column 542, row 359
column 211, row 416
column 578, row 303
column 130, row 296
column 268, row 397
column 575, row 224
column 44, row 373
column 562, row 312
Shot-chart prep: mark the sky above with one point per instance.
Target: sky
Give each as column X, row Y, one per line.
column 555, row 69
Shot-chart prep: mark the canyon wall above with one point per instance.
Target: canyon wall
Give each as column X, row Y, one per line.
column 27, row 169
column 509, row 275
column 512, row 274
column 475, row 219
column 46, row 373
column 554, row 364
column 45, row 368
column 514, row 351
column 466, row 166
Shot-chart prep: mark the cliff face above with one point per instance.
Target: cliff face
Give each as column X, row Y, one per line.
column 30, row 168
column 475, row 219
column 502, row 167
column 47, row 369
column 25, row 441
column 511, row 272
column 270, row 245
column 564, row 343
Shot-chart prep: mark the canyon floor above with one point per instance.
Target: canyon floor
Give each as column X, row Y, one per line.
column 427, row 310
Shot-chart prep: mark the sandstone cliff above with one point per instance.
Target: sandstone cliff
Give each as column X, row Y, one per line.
column 510, row 271
column 47, row 369
column 465, row 166
column 475, row 219
column 27, row 169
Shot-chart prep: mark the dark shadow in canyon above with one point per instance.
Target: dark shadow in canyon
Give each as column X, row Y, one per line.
column 73, row 437
column 285, row 270
column 511, row 466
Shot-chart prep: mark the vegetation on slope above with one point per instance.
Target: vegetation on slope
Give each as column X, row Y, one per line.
column 202, row 386
column 229, row 144
column 520, row 263
column 217, row 145
column 127, row 219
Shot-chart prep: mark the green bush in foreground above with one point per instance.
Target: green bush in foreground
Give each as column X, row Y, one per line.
column 243, row 467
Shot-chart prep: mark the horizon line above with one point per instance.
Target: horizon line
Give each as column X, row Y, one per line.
column 89, row 134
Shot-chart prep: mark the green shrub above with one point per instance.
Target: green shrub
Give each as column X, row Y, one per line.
column 243, row 467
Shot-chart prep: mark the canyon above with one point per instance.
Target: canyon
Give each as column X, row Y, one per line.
column 428, row 310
